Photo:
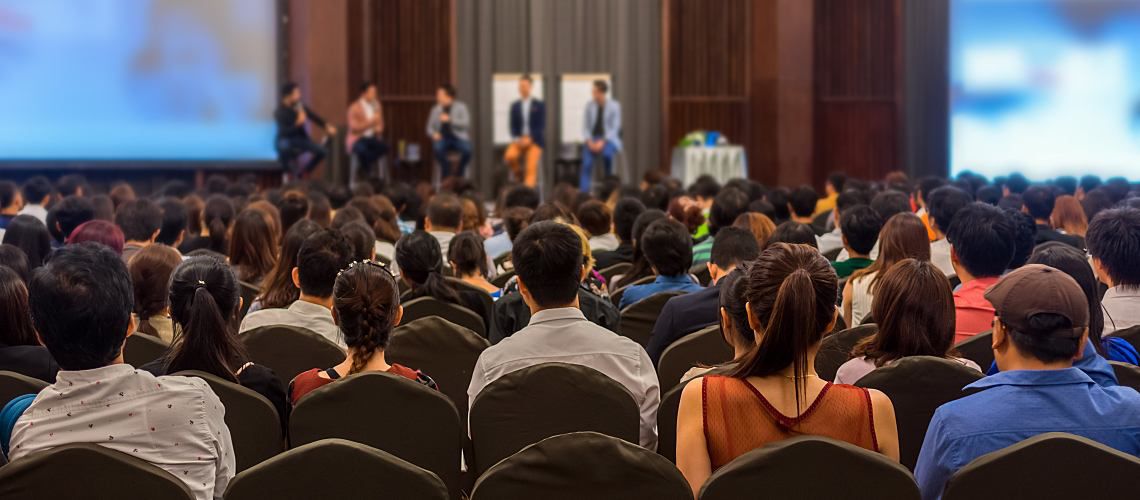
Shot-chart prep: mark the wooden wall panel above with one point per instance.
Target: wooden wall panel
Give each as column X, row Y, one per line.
column 707, row 49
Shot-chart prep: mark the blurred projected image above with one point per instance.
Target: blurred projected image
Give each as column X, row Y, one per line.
column 137, row 79
column 1045, row 87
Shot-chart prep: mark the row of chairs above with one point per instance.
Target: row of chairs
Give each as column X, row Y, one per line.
column 592, row 465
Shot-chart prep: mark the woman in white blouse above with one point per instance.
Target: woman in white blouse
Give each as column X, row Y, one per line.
column 903, row 237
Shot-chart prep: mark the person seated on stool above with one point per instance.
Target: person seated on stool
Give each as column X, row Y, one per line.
column 601, row 132
column 292, row 138
column 448, row 128
column 528, row 134
column 365, row 128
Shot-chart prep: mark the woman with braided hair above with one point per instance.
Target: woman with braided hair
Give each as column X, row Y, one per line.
column 366, row 307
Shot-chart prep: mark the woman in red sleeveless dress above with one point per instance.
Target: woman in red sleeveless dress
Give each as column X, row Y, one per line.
column 774, row 392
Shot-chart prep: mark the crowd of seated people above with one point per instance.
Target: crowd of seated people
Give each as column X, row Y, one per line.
column 1047, row 270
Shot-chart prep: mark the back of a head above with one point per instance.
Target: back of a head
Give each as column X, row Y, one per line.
column 294, row 206
column 253, row 245
column 99, row 231
column 1024, row 236
column 445, row 211
column 15, row 317
column 734, row 246
column 217, row 216
column 548, row 261
column 778, row 197
column 793, row 233
column 150, row 271
column 278, row 289
column 668, row 247
column 30, row 235
column 1114, row 241
column 1016, row 183
column 758, row 224
column 890, row 203
column 139, row 219
column 642, row 222
column 420, row 259
column 803, row 201
column 914, row 308
column 174, row 221
column 733, row 300
column 943, row 204
column 727, row 206
column 595, row 218
column 521, row 196
column 982, row 237
column 851, row 198
column 928, row 185
column 36, row 189
column 14, row 259
column 1073, row 262
column 8, row 193
column 204, row 299
column 346, row 216
column 515, row 219
column 322, row 255
column 1039, row 202
column 467, row 255
column 904, row 237
column 81, row 303
column 1011, row 202
column 989, row 194
column 71, row 212
column 1068, row 215
column 860, row 226
column 553, row 211
column 1065, row 185
column 687, row 211
column 366, row 301
column 1089, row 183
column 121, row 193
column 362, row 239
column 705, row 187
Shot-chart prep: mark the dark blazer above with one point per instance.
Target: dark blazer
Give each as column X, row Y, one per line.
column 31, row 360
column 537, row 121
column 623, row 253
column 682, row 315
column 1046, row 234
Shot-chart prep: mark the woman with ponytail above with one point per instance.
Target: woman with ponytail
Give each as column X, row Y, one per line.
column 420, row 261
column 204, row 302
column 774, row 393
column 366, row 307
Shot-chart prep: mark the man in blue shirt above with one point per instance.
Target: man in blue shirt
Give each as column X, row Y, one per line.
column 669, row 249
column 1041, row 327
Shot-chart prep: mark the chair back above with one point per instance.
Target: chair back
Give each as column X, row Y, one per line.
column 255, row 427
column 1104, row 472
column 637, row 319
column 335, row 468
column 484, row 297
column 614, row 270
column 583, row 465
column 502, row 278
column 290, row 350
column 528, row 405
column 703, row 347
column 14, row 385
column 917, row 386
column 978, row 349
column 90, row 472
column 836, row 349
column 667, row 423
column 1132, row 335
column 615, row 295
column 424, row 307
column 832, row 254
column 443, row 350
column 141, row 349
column 249, row 293
column 386, row 412
column 1126, row 374
column 701, row 272
column 790, row 469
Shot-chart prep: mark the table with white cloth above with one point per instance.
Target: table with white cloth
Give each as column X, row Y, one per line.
column 721, row 162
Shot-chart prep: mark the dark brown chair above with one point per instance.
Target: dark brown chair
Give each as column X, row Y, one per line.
column 637, row 319
column 1132, row 335
column 614, row 270
column 255, row 427
column 444, row 351
column 90, row 472
column 502, row 279
column 917, row 386
column 978, row 349
column 790, row 469
column 335, row 468
column 667, row 423
column 701, row 272
column 424, row 307
column 488, row 302
column 290, row 350
column 386, row 412
column 1092, row 470
column 14, row 385
column 615, row 295
column 705, row 347
column 528, row 405
column 836, row 349
column 141, row 349
column 583, row 465
column 1126, row 374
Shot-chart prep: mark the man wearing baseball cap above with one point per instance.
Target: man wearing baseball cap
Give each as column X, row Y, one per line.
column 1040, row 329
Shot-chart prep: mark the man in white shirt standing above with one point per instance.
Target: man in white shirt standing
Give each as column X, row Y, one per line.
column 943, row 203
column 37, row 193
column 548, row 260
column 81, row 305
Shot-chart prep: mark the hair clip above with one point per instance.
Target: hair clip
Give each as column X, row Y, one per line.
column 373, row 263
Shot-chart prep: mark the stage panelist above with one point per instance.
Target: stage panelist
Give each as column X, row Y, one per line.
column 528, row 134
column 292, row 138
column 448, row 126
column 366, row 127
column 601, row 133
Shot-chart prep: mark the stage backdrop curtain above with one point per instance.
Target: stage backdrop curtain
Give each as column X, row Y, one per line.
column 927, row 62
column 551, row 38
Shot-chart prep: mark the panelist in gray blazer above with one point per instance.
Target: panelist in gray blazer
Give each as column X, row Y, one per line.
column 601, row 133
column 449, row 128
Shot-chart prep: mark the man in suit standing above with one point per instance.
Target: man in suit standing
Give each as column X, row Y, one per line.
column 365, row 128
column 528, row 133
column 601, row 133
column 449, row 128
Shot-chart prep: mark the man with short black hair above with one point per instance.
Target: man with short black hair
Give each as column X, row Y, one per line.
column 81, row 302
column 861, row 226
column 37, row 194
column 668, row 248
column 1042, row 328
column 515, row 197
column 689, row 313
column 981, row 248
column 71, row 185
column 1038, row 203
column 11, row 201
column 322, row 255
column 801, row 205
column 444, row 220
column 548, row 257
column 594, row 216
column 625, row 214
column 942, row 204
column 1015, row 184
column 729, row 204
column 68, row 214
column 140, row 220
column 1114, row 243
column 175, row 220
column 890, row 203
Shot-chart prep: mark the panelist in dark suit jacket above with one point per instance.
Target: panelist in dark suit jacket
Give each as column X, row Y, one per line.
column 528, row 134
column 689, row 313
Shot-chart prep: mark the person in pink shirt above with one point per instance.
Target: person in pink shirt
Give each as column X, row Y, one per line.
column 981, row 248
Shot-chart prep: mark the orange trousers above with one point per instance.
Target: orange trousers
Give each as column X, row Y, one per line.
column 533, row 154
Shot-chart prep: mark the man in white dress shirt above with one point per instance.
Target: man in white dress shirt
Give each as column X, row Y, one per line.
column 943, row 203
column 37, row 193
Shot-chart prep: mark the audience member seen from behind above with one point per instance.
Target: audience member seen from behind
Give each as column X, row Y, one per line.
column 1040, row 203
column 903, row 237
column 253, row 246
column 36, row 193
column 421, row 267
column 174, row 222
column 366, row 306
column 548, row 258
column 860, row 226
column 625, row 215
column 1114, row 243
column 732, row 314
column 217, row 214
column 362, row 239
column 758, row 224
column 914, row 310
column 982, row 246
column 11, row 201
column 942, row 205
column 30, row 235
column 1024, row 237
column 774, row 393
column 150, row 271
column 641, row 267
column 140, row 221
column 67, row 215
column 278, row 289
column 13, row 258
column 469, row 262
column 20, row 350
column 321, row 256
column 668, row 248
column 1041, row 328
column 793, row 233
column 1069, row 217
column 81, row 306
column 729, row 204
column 99, row 231
column 597, row 220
